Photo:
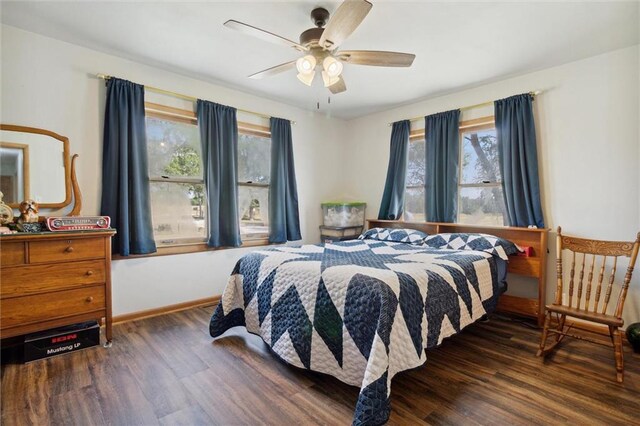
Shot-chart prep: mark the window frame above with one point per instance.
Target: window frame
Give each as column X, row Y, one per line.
column 262, row 132
column 194, row 245
column 416, row 135
column 482, row 123
column 163, row 112
column 477, row 124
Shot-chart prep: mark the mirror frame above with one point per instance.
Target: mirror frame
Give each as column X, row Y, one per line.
column 67, row 162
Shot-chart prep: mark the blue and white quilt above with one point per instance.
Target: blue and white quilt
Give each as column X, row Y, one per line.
column 361, row 310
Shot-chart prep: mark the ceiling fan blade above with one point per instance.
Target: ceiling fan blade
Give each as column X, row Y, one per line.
column 343, row 22
column 376, row 58
column 338, row 87
column 273, row 70
column 263, row 35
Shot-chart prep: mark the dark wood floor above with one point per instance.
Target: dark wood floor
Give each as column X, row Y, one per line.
column 166, row 370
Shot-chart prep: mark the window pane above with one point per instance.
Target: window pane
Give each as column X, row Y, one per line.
column 178, row 211
column 480, row 157
column 253, row 207
column 414, row 205
column 482, row 206
column 254, row 159
column 174, row 148
column 415, row 165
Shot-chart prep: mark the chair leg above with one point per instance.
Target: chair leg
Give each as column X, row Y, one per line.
column 561, row 322
column 617, row 347
column 545, row 332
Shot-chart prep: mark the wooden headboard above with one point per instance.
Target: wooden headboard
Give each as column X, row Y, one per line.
column 530, row 266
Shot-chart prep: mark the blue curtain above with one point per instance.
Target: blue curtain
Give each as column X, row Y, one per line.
column 125, row 171
column 442, row 152
column 393, row 196
column 219, row 138
column 518, row 159
column 284, row 221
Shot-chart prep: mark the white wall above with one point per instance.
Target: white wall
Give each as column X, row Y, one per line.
column 588, row 147
column 51, row 84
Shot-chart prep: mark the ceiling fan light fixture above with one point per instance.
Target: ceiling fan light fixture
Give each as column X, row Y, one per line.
column 306, row 64
column 306, row 78
column 328, row 80
column 332, row 66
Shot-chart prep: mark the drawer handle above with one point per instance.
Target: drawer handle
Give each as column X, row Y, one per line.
column 68, row 249
column 89, row 299
column 89, row 273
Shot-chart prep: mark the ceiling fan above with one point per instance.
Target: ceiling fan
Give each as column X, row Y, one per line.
column 320, row 46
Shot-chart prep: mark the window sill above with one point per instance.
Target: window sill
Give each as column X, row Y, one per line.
column 186, row 248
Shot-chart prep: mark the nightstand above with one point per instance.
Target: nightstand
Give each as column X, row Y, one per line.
column 330, row 234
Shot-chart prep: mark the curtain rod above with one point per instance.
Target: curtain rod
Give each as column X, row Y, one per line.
column 185, row 97
column 487, row 103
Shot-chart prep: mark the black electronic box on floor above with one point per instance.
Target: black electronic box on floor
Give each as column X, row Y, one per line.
column 61, row 340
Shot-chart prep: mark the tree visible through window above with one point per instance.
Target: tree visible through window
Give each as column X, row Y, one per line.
column 480, row 192
column 414, row 207
column 186, row 161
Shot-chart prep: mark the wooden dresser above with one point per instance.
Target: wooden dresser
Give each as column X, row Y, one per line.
column 53, row 279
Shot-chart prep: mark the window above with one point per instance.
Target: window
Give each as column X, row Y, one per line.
column 177, row 192
column 178, row 207
column 254, row 172
column 414, row 207
column 480, row 200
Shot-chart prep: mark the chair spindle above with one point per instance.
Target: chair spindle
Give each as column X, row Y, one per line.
column 581, row 277
column 625, row 288
column 596, row 301
column 589, row 281
column 571, row 275
column 612, row 278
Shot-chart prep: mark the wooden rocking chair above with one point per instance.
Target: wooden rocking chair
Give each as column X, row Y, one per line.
column 597, row 313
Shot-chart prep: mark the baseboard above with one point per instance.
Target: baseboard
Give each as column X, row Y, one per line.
column 207, row 301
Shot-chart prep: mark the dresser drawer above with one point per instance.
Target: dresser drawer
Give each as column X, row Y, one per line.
column 11, row 254
column 32, row 279
column 48, row 306
column 66, row 250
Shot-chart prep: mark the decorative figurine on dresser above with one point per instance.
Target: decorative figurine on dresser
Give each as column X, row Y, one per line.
column 6, row 216
column 52, row 276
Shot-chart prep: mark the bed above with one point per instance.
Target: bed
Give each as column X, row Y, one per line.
column 360, row 310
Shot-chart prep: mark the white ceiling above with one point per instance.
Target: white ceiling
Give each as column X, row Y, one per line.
column 457, row 45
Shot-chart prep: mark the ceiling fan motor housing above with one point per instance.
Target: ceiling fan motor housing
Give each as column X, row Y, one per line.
column 311, row 36
column 319, row 17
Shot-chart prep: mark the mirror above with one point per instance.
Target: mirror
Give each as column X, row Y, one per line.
column 14, row 171
column 34, row 163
